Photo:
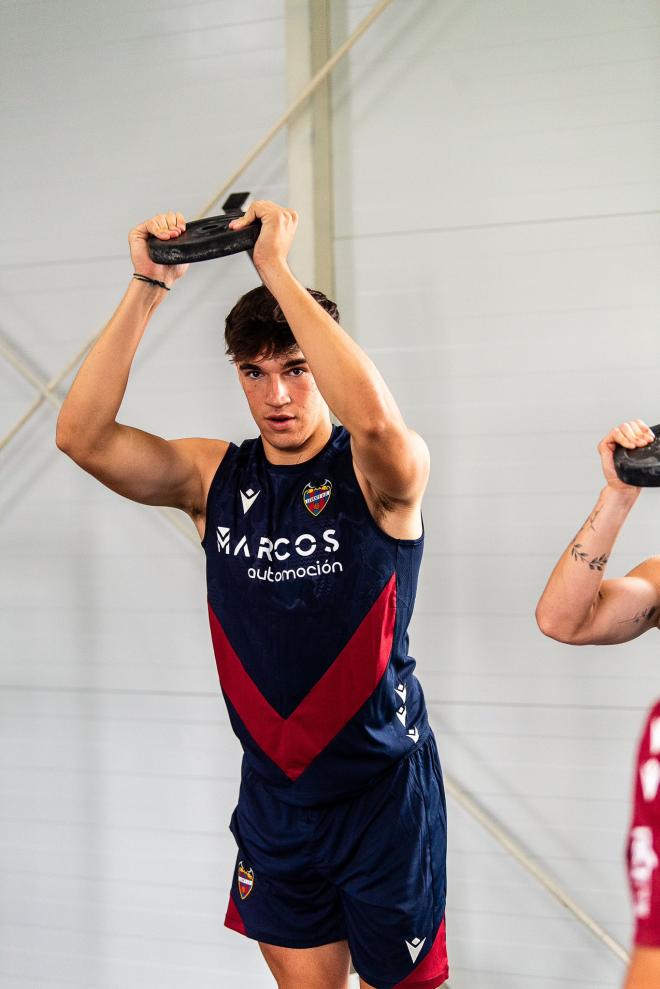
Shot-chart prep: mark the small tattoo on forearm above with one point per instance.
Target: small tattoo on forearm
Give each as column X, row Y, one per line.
column 580, row 555
column 641, row 616
column 592, row 518
column 589, row 521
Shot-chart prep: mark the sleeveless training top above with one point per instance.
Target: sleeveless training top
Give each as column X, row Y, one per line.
column 309, row 606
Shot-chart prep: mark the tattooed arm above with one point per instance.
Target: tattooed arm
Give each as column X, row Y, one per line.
column 578, row 605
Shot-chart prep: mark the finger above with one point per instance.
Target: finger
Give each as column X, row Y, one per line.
column 141, row 231
column 180, row 221
column 259, row 209
column 629, row 430
column 163, row 233
column 244, row 221
column 636, row 432
column 643, row 436
column 620, row 436
column 156, row 223
column 646, row 430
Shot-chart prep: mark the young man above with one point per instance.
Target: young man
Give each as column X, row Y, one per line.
column 313, row 537
column 580, row 607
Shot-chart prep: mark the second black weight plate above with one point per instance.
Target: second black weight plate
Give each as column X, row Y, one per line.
column 204, row 240
column 640, row 467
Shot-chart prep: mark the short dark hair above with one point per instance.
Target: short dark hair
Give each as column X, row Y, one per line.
column 256, row 325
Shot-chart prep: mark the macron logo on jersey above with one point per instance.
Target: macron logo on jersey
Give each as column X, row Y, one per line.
column 248, row 499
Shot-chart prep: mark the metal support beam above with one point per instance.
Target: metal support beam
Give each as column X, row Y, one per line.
column 515, row 849
column 310, row 144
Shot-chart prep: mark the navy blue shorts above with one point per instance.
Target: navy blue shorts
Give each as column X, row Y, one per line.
column 370, row 869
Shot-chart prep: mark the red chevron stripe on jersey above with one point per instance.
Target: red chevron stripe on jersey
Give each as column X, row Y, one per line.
column 294, row 742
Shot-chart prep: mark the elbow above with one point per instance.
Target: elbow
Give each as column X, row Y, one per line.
column 62, row 438
column 556, row 629
column 545, row 623
column 65, row 436
column 375, row 432
column 382, row 426
column 73, row 441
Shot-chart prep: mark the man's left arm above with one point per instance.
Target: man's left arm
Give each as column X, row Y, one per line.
column 393, row 458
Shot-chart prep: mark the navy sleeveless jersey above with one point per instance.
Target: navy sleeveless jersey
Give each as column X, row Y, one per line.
column 309, row 605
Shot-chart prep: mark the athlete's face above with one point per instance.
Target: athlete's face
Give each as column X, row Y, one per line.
column 284, row 401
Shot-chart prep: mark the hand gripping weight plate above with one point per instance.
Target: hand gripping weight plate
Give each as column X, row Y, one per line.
column 641, row 466
column 203, row 240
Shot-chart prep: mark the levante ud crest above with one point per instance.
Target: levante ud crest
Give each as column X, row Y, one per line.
column 317, row 496
column 245, row 881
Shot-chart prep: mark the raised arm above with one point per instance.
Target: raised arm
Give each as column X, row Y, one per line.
column 393, row 458
column 578, row 605
column 134, row 463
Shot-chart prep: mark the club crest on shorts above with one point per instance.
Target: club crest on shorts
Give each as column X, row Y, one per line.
column 245, row 881
column 317, row 496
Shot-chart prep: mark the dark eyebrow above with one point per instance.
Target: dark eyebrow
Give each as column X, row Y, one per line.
column 294, row 362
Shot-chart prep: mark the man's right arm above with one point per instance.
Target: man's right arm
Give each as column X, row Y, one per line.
column 578, row 605
column 136, row 464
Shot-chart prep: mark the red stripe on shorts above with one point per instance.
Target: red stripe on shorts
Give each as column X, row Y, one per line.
column 233, row 918
column 434, row 969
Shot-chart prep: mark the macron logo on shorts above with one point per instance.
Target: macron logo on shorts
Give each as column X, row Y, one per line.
column 414, row 947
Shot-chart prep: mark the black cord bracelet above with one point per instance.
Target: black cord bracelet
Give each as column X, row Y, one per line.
column 152, row 281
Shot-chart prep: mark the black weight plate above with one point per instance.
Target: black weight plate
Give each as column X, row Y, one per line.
column 203, row 240
column 640, row 467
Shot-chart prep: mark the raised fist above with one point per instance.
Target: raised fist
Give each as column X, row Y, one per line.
column 165, row 226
